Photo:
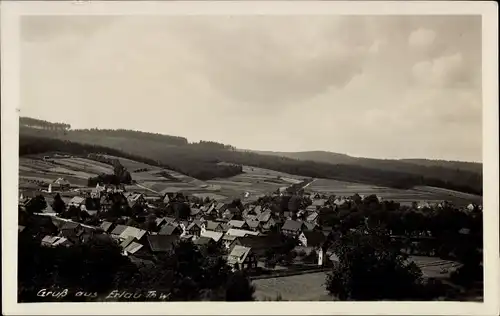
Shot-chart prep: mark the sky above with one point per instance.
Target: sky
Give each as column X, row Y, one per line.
column 370, row 86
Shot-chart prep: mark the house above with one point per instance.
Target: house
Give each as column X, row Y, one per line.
column 238, row 224
column 253, row 225
column 214, row 226
column 107, row 227
column 71, row 230
column 228, row 240
column 136, row 199
column 257, row 210
column 312, row 238
column 204, row 241
column 162, row 243
column 312, row 217
column 261, row 244
column 117, row 231
column 310, row 226
column 77, row 201
column 61, row 184
column 164, row 221
column 267, row 226
column 319, row 202
column 265, row 216
column 216, row 236
column 171, row 229
column 211, row 211
column 135, row 249
column 293, row 228
column 54, row 241
column 195, row 228
column 220, row 207
column 132, row 232
column 194, row 212
column 241, row 258
column 105, row 203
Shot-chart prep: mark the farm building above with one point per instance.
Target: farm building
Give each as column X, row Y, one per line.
column 242, row 258
column 293, row 228
column 171, row 229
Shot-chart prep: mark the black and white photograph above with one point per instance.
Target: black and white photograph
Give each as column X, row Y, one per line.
column 249, row 157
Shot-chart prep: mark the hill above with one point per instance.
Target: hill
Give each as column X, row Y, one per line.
column 202, row 160
column 407, row 165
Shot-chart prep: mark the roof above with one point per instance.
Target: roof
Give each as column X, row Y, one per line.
column 194, row 211
column 292, row 225
column 70, row 225
column 134, row 232
column 258, row 209
column 216, row 236
column 310, row 226
column 263, row 241
column 312, row 217
column 91, row 212
column 127, row 242
column 319, row 202
column 241, row 232
column 230, row 237
column 106, row 226
column 264, row 216
column 314, row 238
column 219, row 206
column 193, row 224
column 236, row 223
column 168, row 229
column 211, row 225
column 252, row 223
column 133, row 247
column 162, row 243
column 77, row 200
column 118, row 230
column 238, row 254
column 203, row 240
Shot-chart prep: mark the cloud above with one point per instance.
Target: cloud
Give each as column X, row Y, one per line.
column 445, row 71
column 421, row 38
column 345, row 84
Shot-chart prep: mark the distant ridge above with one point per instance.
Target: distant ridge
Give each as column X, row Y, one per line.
column 201, row 160
column 336, row 158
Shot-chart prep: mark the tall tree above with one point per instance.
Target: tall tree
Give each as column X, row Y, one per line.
column 369, row 268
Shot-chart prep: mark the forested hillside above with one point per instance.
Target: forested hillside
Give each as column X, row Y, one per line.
column 200, row 160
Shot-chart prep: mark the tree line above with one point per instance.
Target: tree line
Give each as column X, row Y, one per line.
column 36, row 123
column 201, row 161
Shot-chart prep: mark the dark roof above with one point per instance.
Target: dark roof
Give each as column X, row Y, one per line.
column 106, row 226
column 292, row 225
column 195, row 211
column 193, row 224
column 119, row 229
column 168, row 229
column 314, row 238
column 203, row 241
column 262, row 242
column 211, row 225
column 69, row 225
column 162, row 243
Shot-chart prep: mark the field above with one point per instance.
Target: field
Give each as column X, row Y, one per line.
column 305, row 287
column 310, row 286
column 249, row 186
column 419, row 194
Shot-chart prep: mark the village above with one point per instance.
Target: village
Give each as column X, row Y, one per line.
column 290, row 231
